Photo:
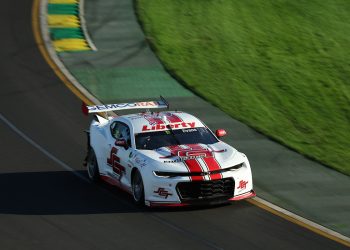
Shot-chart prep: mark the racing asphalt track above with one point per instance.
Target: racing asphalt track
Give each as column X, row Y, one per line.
column 44, row 206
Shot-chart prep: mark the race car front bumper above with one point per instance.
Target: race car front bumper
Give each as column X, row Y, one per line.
column 182, row 191
column 185, row 193
column 247, row 195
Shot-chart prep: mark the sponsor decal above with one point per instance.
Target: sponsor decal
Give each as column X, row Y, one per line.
column 140, row 161
column 157, row 122
column 162, row 192
column 189, row 130
column 172, row 125
column 124, row 105
column 197, row 160
column 242, row 184
column 173, row 161
column 114, row 162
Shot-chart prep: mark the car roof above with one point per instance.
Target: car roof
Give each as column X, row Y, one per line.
column 157, row 121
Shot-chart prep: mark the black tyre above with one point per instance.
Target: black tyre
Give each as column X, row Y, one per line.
column 138, row 192
column 92, row 166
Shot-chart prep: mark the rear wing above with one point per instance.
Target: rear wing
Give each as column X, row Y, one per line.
column 131, row 105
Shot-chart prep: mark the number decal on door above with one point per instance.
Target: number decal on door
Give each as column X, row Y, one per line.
column 114, row 162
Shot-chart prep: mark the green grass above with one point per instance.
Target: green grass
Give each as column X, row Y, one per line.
column 282, row 67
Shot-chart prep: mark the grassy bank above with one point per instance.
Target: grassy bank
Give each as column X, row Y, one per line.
column 282, row 67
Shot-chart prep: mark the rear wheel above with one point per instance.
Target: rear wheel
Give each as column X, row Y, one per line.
column 138, row 192
column 92, row 166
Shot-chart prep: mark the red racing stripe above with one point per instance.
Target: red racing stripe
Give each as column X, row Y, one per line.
column 210, row 161
column 173, row 118
column 213, row 165
column 153, row 120
column 192, row 165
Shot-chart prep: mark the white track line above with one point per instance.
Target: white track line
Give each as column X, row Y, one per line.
column 41, row 149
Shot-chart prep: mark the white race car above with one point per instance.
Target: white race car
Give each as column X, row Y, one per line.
column 167, row 158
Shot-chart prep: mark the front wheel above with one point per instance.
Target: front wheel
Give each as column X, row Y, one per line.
column 92, row 166
column 138, row 193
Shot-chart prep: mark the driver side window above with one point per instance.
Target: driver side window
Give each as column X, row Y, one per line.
column 120, row 131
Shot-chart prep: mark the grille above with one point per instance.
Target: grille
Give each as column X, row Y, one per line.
column 206, row 190
column 178, row 174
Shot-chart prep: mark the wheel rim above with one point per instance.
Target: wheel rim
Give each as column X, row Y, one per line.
column 137, row 188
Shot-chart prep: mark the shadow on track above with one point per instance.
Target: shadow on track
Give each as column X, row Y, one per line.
column 60, row 192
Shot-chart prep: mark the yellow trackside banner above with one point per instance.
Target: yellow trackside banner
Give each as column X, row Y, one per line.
column 63, row 21
column 71, row 44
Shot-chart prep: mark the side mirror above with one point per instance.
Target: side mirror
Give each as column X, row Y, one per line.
column 122, row 143
column 220, row 133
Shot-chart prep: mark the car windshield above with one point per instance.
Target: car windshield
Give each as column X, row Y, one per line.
column 154, row 140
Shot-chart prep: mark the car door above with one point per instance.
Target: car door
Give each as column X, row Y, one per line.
column 117, row 160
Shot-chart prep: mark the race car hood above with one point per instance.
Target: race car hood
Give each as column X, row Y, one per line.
column 192, row 157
